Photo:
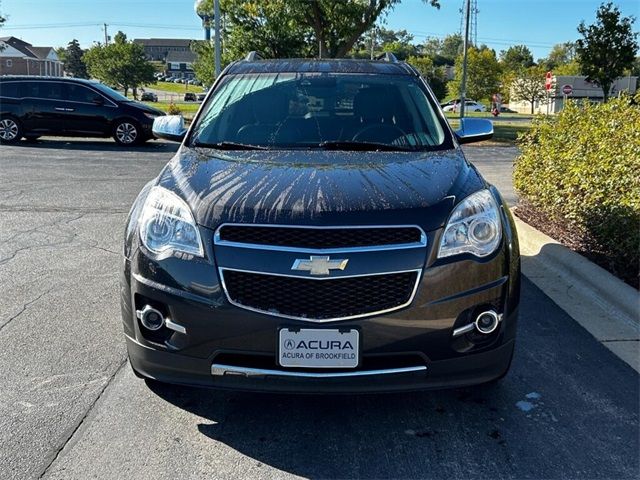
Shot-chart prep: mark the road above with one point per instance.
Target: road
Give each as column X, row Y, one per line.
column 70, row 407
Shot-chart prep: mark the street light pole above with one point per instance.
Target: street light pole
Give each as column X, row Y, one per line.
column 206, row 23
column 465, row 48
column 216, row 23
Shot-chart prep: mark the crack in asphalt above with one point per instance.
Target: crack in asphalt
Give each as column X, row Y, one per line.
column 24, row 307
column 74, row 429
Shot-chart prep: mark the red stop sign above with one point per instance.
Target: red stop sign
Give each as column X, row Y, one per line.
column 547, row 82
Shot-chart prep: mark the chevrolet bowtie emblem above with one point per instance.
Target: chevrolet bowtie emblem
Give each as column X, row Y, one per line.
column 319, row 265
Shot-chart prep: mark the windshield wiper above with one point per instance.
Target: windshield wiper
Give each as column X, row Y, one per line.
column 229, row 146
column 361, row 146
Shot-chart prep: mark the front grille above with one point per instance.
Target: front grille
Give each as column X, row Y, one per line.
column 320, row 238
column 329, row 299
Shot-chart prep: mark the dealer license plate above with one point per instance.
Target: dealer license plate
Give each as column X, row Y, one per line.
column 315, row 348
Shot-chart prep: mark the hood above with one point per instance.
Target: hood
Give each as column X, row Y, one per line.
column 320, row 187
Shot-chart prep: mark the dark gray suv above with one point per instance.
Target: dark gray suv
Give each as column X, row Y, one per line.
column 320, row 230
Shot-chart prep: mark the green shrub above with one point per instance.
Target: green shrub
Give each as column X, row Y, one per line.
column 582, row 170
column 172, row 109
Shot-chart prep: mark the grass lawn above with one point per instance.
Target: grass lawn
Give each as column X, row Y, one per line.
column 503, row 131
column 188, row 110
column 175, row 87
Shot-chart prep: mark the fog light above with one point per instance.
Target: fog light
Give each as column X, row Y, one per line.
column 487, row 322
column 151, row 318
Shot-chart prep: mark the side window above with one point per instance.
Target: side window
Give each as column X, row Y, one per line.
column 44, row 90
column 79, row 93
column 9, row 90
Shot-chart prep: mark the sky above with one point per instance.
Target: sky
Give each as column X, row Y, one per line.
column 539, row 24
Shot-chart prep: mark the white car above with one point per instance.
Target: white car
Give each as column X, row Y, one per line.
column 469, row 106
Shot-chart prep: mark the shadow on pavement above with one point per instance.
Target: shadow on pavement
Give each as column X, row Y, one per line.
column 96, row 145
column 568, row 409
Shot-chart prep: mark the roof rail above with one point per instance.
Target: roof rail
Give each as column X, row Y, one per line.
column 387, row 57
column 253, row 56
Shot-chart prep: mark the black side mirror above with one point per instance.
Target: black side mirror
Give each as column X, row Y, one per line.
column 98, row 100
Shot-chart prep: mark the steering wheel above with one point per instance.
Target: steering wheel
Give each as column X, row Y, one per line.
column 381, row 133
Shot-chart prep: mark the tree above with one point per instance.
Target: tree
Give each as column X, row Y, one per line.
column 121, row 63
column 434, row 75
column 72, row 59
column 516, row 58
column 452, row 47
column 2, row 20
column 328, row 27
column 529, row 86
column 483, row 74
column 607, row 47
column 271, row 27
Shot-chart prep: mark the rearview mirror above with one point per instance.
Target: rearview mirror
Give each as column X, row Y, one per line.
column 474, row 130
column 169, row 127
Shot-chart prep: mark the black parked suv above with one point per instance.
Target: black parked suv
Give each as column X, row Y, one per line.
column 320, row 230
column 34, row 106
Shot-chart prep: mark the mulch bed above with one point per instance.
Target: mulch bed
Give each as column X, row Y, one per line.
column 575, row 240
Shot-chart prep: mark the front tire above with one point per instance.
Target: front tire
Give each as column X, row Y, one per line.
column 127, row 133
column 10, row 130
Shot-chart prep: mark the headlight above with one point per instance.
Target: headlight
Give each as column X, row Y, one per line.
column 473, row 227
column 167, row 225
column 151, row 115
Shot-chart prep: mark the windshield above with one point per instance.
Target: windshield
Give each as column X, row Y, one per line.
column 110, row 92
column 320, row 110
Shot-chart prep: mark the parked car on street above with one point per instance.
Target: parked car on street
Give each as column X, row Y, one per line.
column 34, row 106
column 201, row 97
column 504, row 109
column 469, row 105
column 190, row 97
column 320, row 230
column 149, row 97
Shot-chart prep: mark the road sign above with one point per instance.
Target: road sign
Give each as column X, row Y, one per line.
column 567, row 89
column 547, row 81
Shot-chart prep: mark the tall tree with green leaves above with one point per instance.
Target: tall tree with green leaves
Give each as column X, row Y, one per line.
column 607, row 48
column 529, row 86
column 2, row 20
column 329, row 28
column 435, row 76
column 72, row 59
column 516, row 58
column 122, row 64
column 483, row 74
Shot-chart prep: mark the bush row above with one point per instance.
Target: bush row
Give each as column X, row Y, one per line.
column 581, row 169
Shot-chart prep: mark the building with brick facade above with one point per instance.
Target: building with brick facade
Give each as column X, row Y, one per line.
column 18, row 57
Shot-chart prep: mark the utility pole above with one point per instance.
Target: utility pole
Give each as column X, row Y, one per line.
column 106, row 35
column 465, row 48
column 216, row 24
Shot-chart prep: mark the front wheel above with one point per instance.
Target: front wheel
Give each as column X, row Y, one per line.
column 10, row 130
column 127, row 132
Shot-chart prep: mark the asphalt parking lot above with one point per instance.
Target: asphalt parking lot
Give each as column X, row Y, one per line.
column 70, row 407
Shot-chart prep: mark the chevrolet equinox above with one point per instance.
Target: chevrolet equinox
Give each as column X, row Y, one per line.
column 320, row 230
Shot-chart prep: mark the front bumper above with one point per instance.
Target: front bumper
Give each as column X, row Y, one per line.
column 457, row 372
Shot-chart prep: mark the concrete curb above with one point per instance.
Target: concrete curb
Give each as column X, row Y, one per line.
column 603, row 304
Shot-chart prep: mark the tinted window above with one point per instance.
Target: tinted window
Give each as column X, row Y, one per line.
column 44, row 90
column 80, row 93
column 293, row 110
column 110, row 92
column 9, row 89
